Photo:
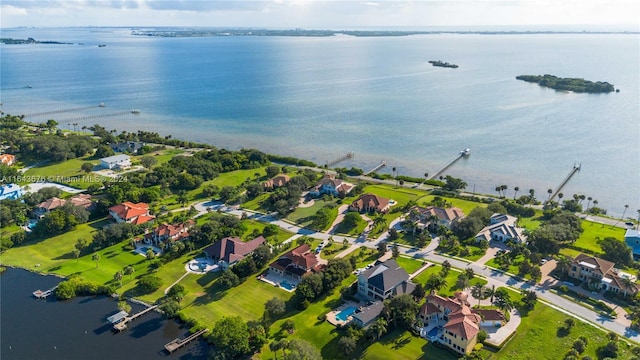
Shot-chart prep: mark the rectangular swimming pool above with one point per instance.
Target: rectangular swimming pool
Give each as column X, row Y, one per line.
column 344, row 314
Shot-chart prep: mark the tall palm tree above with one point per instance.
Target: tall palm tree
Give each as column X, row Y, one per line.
column 625, row 211
column 379, row 327
column 588, row 202
column 515, row 192
column 549, row 191
column 478, row 291
column 532, row 193
column 491, row 292
column 595, row 203
column 498, row 191
column 638, row 224
column 563, row 264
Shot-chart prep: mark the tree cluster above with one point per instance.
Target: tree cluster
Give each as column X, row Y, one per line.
column 315, row 285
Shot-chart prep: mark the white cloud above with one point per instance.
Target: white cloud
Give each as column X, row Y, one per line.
column 317, row 13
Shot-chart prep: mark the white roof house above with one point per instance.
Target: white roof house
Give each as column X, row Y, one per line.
column 502, row 228
column 116, row 161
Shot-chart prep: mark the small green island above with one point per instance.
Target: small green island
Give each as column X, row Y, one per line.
column 442, row 64
column 569, row 84
column 10, row 41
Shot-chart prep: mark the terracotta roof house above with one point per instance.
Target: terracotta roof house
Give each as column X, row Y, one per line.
column 460, row 324
column 370, row 203
column 330, row 185
column 384, row 280
column 276, row 181
column 365, row 316
column 167, row 234
column 82, row 200
column 7, row 159
column 132, row 213
column 230, row 250
column 601, row 274
column 296, row 263
column 502, row 228
column 439, row 216
column 48, row 205
column 10, row 191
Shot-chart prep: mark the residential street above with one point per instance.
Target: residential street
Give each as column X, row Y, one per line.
column 496, row 278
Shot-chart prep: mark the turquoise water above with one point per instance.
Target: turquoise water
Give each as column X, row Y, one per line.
column 434, row 332
column 287, row 285
column 318, row 98
column 344, row 314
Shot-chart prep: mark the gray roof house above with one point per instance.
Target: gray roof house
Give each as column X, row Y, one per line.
column 383, row 281
column 367, row 315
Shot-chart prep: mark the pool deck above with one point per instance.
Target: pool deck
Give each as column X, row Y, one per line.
column 331, row 316
column 193, row 266
column 275, row 280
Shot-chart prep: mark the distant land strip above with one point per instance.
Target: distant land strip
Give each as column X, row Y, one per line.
column 11, row 41
column 569, row 84
column 323, row 33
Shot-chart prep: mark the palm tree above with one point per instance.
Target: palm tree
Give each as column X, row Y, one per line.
column 638, row 224
column 588, row 202
column 435, row 283
column 504, row 190
column 478, row 291
column 96, row 258
column 563, row 264
column 379, row 220
column 625, row 211
column 129, row 270
column 379, row 327
column 491, row 292
column 549, row 191
column 531, row 194
column 497, row 189
column 182, row 198
column 118, row 277
column 426, row 176
column 515, row 192
column 595, row 203
column 462, row 282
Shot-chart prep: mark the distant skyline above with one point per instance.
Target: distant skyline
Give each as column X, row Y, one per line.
column 321, row 14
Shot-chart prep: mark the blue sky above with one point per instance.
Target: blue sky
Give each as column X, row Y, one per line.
column 318, row 14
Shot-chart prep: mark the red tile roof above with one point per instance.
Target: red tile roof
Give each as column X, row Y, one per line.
column 52, row 203
column 231, row 249
column 277, row 181
column 7, row 159
column 128, row 211
column 370, row 201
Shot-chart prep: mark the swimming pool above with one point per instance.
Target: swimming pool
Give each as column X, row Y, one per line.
column 344, row 314
column 287, row 286
column 434, row 332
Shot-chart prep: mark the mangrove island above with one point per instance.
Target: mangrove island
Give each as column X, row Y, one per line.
column 443, row 64
column 569, row 84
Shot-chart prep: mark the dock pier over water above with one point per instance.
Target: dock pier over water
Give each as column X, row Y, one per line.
column 178, row 343
column 464, row 153
column 122, row 325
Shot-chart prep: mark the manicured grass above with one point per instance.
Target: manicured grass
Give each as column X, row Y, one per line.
column 304, row 215
column 281, row 236
column 161, row 156
column 408, row 264
column 401, row 195
column 7, row 231
column 569, row 252
column 50, row 253
column 255, row 203
column 594, row 232
column 60, row 172
column 530, row 223
column 451, row 278
column 464, row 205
column 399, row 344
column 539, row 336
column 513, row 268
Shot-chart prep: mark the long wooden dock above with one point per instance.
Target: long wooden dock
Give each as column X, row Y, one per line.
column 463, row 153
column 123, row 324
column 382, row 164
column 348, row 155
column 574, row 170
column 178, row 343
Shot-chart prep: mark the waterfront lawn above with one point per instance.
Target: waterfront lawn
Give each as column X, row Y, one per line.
column 208, row 302
column 542, row 329
column 410, row 265
column 465, row 205
column 161, row 156
column 50, row 253
column 593, row 232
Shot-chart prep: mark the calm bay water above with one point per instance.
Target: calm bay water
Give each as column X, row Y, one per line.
column 77, row 328
column 318, row 98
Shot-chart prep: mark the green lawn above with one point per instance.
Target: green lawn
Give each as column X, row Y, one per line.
column 162, row 156
column 513, row 268
column 410, row 265
column 451, row 278
column 539, row 337
column 255, row 203
column 464, row 205
column 61, row 171
column 303, row 215
column 50, row 253
column 281, row 236
column 594, row 231
column 399, row 344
